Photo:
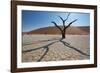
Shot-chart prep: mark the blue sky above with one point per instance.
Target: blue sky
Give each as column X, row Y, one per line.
column 37, row 19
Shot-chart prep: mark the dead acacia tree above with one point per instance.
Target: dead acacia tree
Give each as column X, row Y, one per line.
column 63, row 30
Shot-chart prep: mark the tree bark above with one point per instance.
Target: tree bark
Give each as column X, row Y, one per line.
column 63, row 34
column 63, row 30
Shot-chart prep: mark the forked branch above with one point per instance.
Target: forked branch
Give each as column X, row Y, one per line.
column 70, row 24
column 64, row 20
column 57, row 26
column 63, row 29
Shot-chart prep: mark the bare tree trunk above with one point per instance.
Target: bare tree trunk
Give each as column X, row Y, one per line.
column 63, row 34
column 63, row 30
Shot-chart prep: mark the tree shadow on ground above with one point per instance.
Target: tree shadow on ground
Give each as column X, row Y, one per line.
column 36, row 42
column 68, row 45
column 46, row 47
column 46, row 51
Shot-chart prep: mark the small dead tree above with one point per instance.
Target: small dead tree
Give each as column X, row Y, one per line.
column 63, row 30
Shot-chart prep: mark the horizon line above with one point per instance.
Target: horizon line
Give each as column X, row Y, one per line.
column 50, row 26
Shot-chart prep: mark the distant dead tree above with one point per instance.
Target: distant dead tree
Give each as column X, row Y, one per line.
column 63, row 30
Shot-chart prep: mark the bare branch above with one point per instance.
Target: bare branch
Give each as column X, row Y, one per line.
column 67, row 17
column 62, row 20
column 57, row 26
column 70, row 23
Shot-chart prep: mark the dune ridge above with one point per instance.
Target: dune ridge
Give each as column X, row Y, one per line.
column 79, row 30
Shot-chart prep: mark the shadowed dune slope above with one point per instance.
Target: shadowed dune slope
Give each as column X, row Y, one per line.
column 54, row 30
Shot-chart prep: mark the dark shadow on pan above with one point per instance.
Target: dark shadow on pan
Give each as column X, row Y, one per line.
column 41, row 41
column 67, row 45
column 46, row 47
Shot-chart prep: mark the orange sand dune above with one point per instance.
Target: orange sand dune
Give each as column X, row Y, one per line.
column 54, row 30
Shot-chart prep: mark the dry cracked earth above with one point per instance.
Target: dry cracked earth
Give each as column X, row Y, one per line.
column 38, row 48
